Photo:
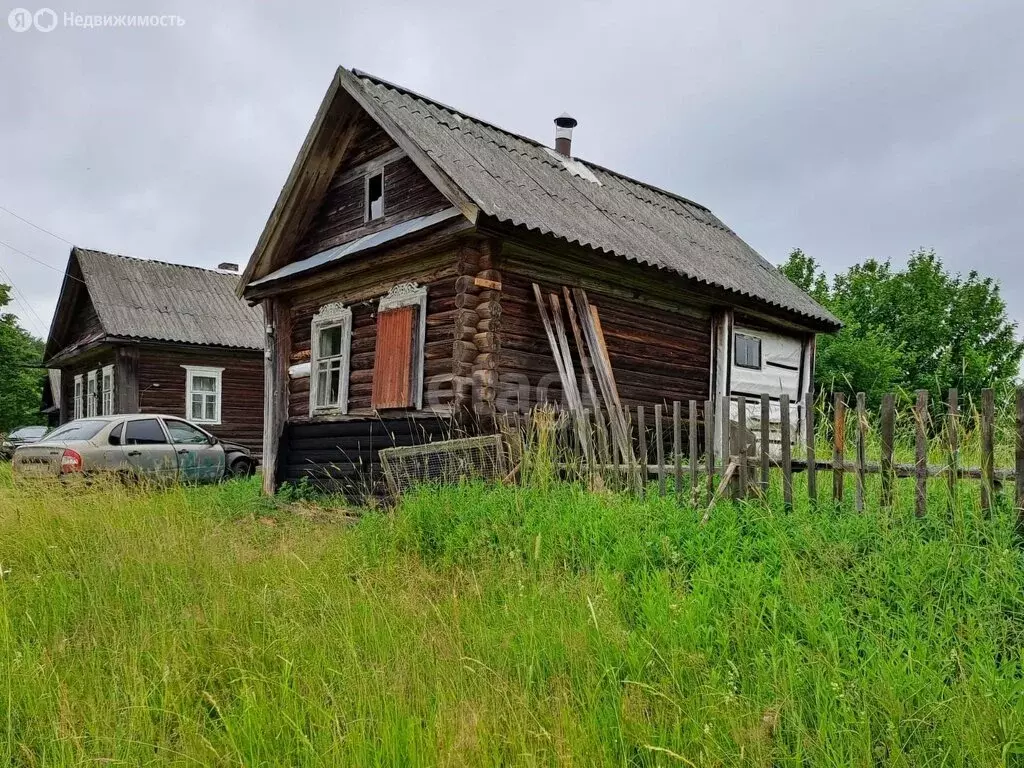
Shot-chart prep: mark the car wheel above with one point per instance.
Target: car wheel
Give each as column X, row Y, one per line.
column 240, row 467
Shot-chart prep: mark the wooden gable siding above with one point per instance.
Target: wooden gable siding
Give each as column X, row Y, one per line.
column 83, row 325
column 241, row 389
column 438, row 272
column 408, row 194
column 658, row 356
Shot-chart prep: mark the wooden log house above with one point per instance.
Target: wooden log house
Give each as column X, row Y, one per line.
column 395, row 274
column 138, row 336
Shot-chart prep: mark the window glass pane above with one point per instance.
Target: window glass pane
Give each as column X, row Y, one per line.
column 185, row 434
column 115, row 434
column 77, row 430
column 144, row 432
column 197, row 406
column 330, row 342
column 204, row 383
column 211, row 408
column 335, row 386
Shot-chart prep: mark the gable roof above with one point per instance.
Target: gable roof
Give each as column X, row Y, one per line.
column 489, row 172
column 156, row 301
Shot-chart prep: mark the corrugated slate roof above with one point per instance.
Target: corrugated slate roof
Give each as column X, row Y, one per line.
column 142, row 299
column 521, row 182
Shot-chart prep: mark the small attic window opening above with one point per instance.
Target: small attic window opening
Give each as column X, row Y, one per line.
column 375, row 196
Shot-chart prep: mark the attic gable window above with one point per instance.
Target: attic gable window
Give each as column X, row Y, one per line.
column 748, row 351
column 330, row 347
column 398, row 360
column 374, row 196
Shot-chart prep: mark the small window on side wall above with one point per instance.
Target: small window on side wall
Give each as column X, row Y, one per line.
column 330, row 343
column 375, row 196
column 398, row 359
column 748, row 351
column 203, row 394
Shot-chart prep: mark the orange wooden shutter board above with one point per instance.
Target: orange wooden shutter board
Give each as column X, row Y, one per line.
column 392, row 367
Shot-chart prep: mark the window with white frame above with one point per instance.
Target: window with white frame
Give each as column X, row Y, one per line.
column 77, row 410
column 107, row 391
column 330, row 344
column 203, row 393
column 91, row 400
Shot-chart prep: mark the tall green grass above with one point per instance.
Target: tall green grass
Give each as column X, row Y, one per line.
column 503, row 626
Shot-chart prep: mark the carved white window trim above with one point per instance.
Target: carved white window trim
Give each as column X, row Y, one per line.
column 107, row 393
column 91, row 394
column 77, row 409
column 411, row 295
column 191, row 371
column 335, row 315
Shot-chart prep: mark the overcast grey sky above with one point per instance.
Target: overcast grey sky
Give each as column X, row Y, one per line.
column 849, row 129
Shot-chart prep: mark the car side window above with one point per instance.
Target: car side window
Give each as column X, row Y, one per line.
column 116, row 434
column 144, row 432
column 183, row 433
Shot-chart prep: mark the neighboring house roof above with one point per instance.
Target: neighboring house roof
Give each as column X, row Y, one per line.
column 157, row 301
column 488, row 171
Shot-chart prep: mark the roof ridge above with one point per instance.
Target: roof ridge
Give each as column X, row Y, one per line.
column 527, row 139
column 108, row 254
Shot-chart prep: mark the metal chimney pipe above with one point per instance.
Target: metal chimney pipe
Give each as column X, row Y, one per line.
column 563, row 134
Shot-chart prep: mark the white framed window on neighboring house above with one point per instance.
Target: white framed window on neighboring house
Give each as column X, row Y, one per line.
column 330, row 345
column 203, row 393
column 107, row 390
column 77, row 409
column 91, row 399
column 398, row 360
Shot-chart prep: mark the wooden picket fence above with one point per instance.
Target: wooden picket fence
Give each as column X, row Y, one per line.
column 744, row 474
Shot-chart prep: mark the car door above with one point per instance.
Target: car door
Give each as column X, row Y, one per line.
column 200, row 456
column 148, row 451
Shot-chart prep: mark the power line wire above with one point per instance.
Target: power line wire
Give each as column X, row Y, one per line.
column 36, row 226
column 39, row 261
column 20, row 297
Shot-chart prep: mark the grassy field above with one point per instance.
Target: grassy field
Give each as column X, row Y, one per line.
column 543, row 626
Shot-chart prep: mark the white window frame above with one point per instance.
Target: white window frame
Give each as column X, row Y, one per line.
column 411, row 295
column 108, row 403
column 78, row 399
column 91, row 399
column 214, row 373
column 335, row 315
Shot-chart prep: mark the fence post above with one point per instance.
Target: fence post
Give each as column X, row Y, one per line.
column 677, row 447
column 643, row 453
column 862, row 430
column 1019, row 461
column 741, row 421
column 693, row 451
column 812, row 467
column 766, row 464
column 839, row 447
column 921, row 454
column 659, row 448
column 787, row 453
column 888, row 438
column 988, row 412
column 953, row 445
column 709, row 445
column 725, row 414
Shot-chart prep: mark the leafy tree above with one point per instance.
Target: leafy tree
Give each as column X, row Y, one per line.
column 919, row 327
column 21, row 386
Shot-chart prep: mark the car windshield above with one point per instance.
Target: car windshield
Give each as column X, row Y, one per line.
column 29, row 432
column 84, row 429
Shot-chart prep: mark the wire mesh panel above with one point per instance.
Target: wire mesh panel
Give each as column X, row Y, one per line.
column 447, row 461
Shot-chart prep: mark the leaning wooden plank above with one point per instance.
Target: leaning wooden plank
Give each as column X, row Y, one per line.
column 839, row 447
column 576, row 403
column 693, row 452
column 988, row 485
column 585, row 364
column 921, row 453
column 787, row 454
column 862, row 431
column 659, row 448
column 1019, row 461
column 722, row 487
column 888, row 441
column 709, row 445
column 812, row 474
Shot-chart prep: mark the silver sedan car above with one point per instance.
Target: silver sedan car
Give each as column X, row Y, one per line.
column 162, row 449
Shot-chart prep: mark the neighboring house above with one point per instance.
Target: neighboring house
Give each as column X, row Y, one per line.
column 137, row 336
column 396, row 270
